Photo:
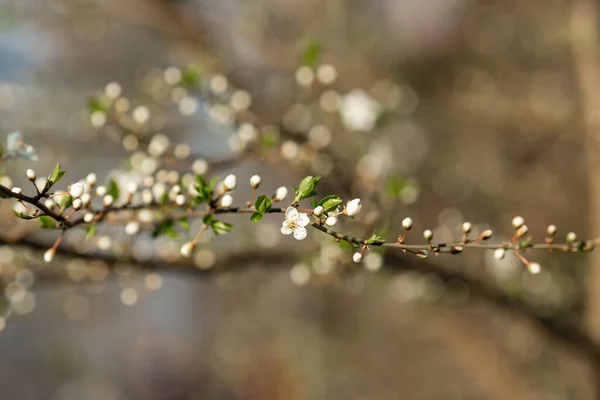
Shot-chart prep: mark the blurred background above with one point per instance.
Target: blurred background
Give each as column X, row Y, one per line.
column 441, row 110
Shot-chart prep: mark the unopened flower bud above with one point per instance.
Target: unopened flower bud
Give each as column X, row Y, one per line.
column 255, row 181
column 318, row 210
column 517, row 222
column 280, row 194
column 428, row 235
column 534, row 267
column 226, row 201
column 147, row 197
column 456, row 249
column 571, row 237
column 132, row 187
column 49, row 255
column 107, row 200
column 353, row 207
column 485, row 235
column 551, row 230
column 77, row 204
column 522, row 231
column 229, row 182
column 100, row 191
column 407, row 223
column 89, row 217
column 31, row 175
column 17, row 190
column 187, row 249
column 357, row 257
column 91, row 179
column 76, row 190
column 50, row 204
column 466, row 227
column 331, row 221
column 499, row 254
column 86, row 198
column 422, row 254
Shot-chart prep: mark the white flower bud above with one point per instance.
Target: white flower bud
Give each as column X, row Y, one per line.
column 91, row 179
column 229, row 182
column 76, row 190
column 428, row 235
column 132, row 228
column 226, row 201
column 49, row 255
column 77, row 204
column 357, row 257
column 571, row 237
column 50, row 204
column 517, row 222
column 86, row 198
column 187, row 249
column 255, row 181
column 147, row 196
column 17, row 190
column 89, row 217
column 407, row 223
column 280, row 194
column 107, row 200
column 466, row 227
column 318, row 210
column 522, row 231
column 331, row 221
column 353, row 207
column 100, row 191
column 499, row 254
column 31, row 175
column 534, row 267
column 551, row 230
column 485, row 235
column 132, row 187
column 180, row 200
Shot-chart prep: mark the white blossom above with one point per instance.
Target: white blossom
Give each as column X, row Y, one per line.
column 255, row 181
column 49, row 255
column 295, row 223
column 187, row 249
column 226, row 201
column 31, row 175
column 180, row 200
column 353, row 207
column 357, row 257
column 359, row 111
column 280, row 194
column 132, row 228
column 76, row 190
column 229, row 182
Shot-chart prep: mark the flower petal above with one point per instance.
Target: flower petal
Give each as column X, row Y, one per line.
column 300, row 233
column 286, row 229
column 303, row 219
column 291, row 213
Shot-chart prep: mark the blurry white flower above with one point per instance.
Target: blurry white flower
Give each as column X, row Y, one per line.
column 295, row 223
column 49, row 255
column 132, row 228
column 187, row 249
column 359, row 111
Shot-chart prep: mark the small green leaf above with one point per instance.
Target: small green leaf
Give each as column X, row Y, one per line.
column 204, row 189
column 56, row 175
column 263, row 204
column 65, row 202
column 311, row 53
column 314, row 203
column 95, row 104
column 113, row 189
column 374, row 238
column 184, row 222
column 256, row 217
column 90, row 231
column 330, row 202
column 47, row 222
column 190, row 77
column 221, row 227
column 22, row 215
column 165, row 228
column 208, row 219
column 307, row 188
